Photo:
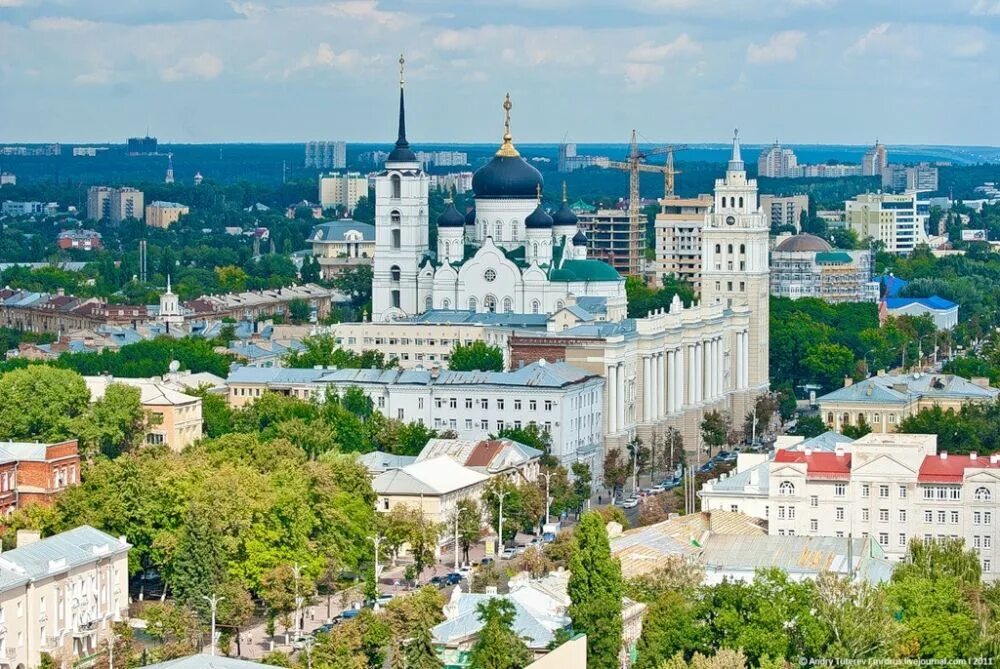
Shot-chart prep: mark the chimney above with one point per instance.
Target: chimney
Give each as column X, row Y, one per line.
column 994, row 458
column 808, row 451
column 27, row 537
column 972, row 455
column 944, row 455
column 980, row 381
column 839, row 450
column 848, row 382
column 881, row 372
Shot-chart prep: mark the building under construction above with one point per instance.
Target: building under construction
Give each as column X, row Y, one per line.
column 613, row 238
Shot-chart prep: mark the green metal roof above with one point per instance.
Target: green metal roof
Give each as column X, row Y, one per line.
column 581, row 206
column 834, row 258
column 584, row 270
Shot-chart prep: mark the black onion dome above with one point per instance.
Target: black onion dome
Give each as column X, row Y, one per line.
column 564, row 216
column 538, row 219
column 579, row 239
column 470, row 217
column 507, row 177
column 451, row 218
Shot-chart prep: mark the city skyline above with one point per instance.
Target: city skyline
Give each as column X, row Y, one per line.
column 223, row 72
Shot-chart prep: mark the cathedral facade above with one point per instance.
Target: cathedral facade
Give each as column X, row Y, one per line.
column 508, row 255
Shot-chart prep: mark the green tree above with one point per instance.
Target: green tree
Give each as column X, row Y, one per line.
column 714, row 430
column 809, row 427
column 476, row 356
column 672, row 625
column 41, row 402
column 115, row 423
column 231, row 279
column 323, row 350
column 829, row 364
column 470, row 525
column 497, row 646
column 595, row 590
column 857, row 430
column 356, row 283
column 298, row 311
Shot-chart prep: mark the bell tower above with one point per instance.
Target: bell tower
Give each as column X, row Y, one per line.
column 402, row 236
column 735, row 267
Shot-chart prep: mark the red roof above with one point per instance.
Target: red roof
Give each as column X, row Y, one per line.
column 819, row 464
column 934, row 469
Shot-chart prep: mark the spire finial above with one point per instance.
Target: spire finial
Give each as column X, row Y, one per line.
column 168, row 283
column 402, row 62
column 450, row 194
column 538, row 193
column 402, row 151
column 564, row 191
column 507, row 148
column 736, row 160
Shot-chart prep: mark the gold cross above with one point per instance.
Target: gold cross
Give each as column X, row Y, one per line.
column 402, row 61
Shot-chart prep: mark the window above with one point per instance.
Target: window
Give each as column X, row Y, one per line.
column 840, row 489
column 840, row 513
column 468, row 402
column 955, row 494
column 987, row 517
column 508, row 305
column 786, row 488
column 468, row 423
column 883, row 491
column 532, row 405
column 499, row 231
column 883, row 538
column 517, row 405
column 548, row 405
column 813, row 525
column 500, row 404
column 446, row 303
column 397, row 186
column 902, row 492
column 781, row 513
column 941, row 516
column 535, row 306
column 472, row 304
column 428, row 303
column 954, row 517
column 977, row 542
column 453, row 402
column 395, row 299
column 902, row 515
column 883, row 515
column 866, row 490
column 485, row 403
column 813, row 501
column 865, row 515
column 839, row 535
column 928, row 516
column 987, row 541
column 902, row 539
column 977, row 518
column 791, row 513
column 395, row 239
column 987, row 565
column 490, row 275
column 490, row 304
column 982, row 495
column 394, row 273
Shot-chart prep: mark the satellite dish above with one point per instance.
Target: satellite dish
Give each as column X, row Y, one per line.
column 174, row 366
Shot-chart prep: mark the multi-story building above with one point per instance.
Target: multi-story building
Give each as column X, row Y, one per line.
column 874, row 160
column 164, row 214
column 564, row 400
column 776, row 162
column 34, row 473
column 443, row 158
column 678, row 237
column 943, row 312
column 888, row 487
column 804, row 265
column 785, row 210
column 12, row 208
column 342, row 190
column 60, row 595
column 114, row 205
column 612, row 239
column 922, row 177
column 85, row 240
column 177, row 421
column 822, row 170
column 893, row 220
column 570, row 161
column 340, row 244
column 141, row 146
column 7, row 179
column 326, row 155
column 885, row 400
column 457, row 182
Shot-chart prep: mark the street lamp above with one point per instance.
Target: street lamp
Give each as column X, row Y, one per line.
column 377, row 540
column 458, row 513
column 500, row 495
column 213, row 602
column 548, row 499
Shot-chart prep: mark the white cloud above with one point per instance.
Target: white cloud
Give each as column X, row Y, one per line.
column 325, row 57
column 640, row 75
column 874, row 39
column 366, row 11
column 100, row 77
column 60, row 23
column 11, row 3
column 648, row 52
column 968, row 49
column 203, row 66
column 781, row 48
column 985, row 8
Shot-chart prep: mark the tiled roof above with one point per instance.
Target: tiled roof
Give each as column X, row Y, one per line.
column 336, row 231
column 951, row 469
column 819, row 465
column 584, row 270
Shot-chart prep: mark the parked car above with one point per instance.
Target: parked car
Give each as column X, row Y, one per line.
column 301, row 641
column 454, row 578
column 486, row 561
column 548, row 536
column 465, row 570
column 508, row 553
column 325, row 628
column 519, row 549
column 350, row 613
column 630, row 503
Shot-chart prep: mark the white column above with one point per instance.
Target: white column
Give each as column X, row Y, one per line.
column 746, row 360
column 692, row 372
column 678, row 379
column 709, row 370
column 720, row 372
column 699, row 373
column 654, row 386
column 717, row 365
column 648, row 387
column 661, row 388
column 671, row 387
column 612, row 385
column 620, row 375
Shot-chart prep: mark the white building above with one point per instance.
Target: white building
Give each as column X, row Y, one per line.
column 890, row 487
column 875, row 160
column 943, row 312
column 458, row 182
column 340, row 244
column 12, row 208
column 326, row 155
column 525, row 261
column 786, row 210
column 922, row 177
column 566, row 401
column 891, row 219
column 804, row 265
column 678, row 237
column 8, row 179
column 776, row 162
column 60, row 595
column 342, row 190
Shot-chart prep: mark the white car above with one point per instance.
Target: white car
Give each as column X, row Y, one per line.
column 630, row 503
column 508, row 553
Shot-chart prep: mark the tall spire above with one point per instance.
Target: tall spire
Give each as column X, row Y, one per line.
column 736, row 160
column 564, row 191
column 402, row 150
column 507, row 149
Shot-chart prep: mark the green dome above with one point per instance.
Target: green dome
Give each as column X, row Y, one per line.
column 585, row 270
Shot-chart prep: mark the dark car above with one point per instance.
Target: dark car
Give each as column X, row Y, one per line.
column 454, row 578
column 707, row 467
column 350, row 613
column 486, row 561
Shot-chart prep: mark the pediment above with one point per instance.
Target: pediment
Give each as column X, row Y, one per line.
column 883, row 465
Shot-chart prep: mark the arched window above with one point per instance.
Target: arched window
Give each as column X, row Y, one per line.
column 982, row 495
column 535, row 306
column 472, row 304
column 560, row 304
column 428, row 303
column 446, row 303
column 395, row 241
column 846, row 419
column 447, row 249
column 861, row 418
column 829, row 418
column 741, row 202
column 743, row 249
column 490, row 304
column 499, row 231
column 397, row 186
column 508, row 305
column 535, row 249
column 718, row 248
column 513, row 231
column 729, row 248
column 484, row 230
column 786, row 489
column 732, row 202
column 394, row 273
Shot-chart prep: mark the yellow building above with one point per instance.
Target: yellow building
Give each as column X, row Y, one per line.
column 342, row 190
column 174, row 417
column 164, row 214
column 678, row 237
column 890, row 219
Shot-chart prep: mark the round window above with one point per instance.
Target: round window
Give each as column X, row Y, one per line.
column 490, row 275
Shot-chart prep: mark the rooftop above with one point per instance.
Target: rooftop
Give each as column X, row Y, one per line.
column 205, row 661
column 152, row 392
column 902, row 388
column 819, row 465
column 61, row 552
column 934, row 302
column 436, row 476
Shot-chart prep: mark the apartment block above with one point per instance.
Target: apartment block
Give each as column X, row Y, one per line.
column 678, row 237
column 164, row 214
column 326, row 155
column 892, row 219
column 33, row 473
column 342, row 190
column 785, row 210
column 114, row 204
column 612, row 239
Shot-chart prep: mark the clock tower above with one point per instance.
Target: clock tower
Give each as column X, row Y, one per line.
column 735, row 272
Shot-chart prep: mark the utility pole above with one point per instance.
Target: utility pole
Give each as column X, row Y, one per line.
column 297, row 570
column 548, row 478
column 213, row 601
column 377, row 540
column 500, row 496
column 458, row 513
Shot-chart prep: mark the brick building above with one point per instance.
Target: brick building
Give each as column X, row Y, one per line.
column 32, row 473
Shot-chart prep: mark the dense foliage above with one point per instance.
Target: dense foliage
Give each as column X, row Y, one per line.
column 477, row 356
column 595, row 590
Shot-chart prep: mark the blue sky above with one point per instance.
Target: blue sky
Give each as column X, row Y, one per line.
column 802, row 71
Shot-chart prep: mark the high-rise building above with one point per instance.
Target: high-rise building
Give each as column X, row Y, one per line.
column 734, row 268
column 141, row 146
column 611, row 238
column 7, row 179
column 164, row 214
column 678, row 237
column 342, row 190
column 874, row 160
column 566, row 150
column 114, row 204
column 777, row 162
column 784, row 211
column 326, row 155
column 893, row 220
column 443, row 158
column 921, row 177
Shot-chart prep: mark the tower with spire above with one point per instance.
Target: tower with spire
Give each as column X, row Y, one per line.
column 735, row 269
column 170, row 309
column 401, row 227
column 169, row 178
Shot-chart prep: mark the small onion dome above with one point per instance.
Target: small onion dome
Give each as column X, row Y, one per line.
column 470, row 217
column 564, row 216
column 579, row 239
column 538, row 219
column 451, row 218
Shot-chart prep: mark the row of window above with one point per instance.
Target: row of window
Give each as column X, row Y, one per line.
column 484, row 424
column 484, row 403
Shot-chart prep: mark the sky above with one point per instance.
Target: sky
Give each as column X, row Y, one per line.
column 800, row 71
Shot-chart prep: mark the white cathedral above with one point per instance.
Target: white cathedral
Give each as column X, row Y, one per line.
column 508, row 255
